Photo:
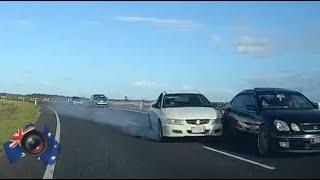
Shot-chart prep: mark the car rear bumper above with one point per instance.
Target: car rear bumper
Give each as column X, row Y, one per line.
column 77, row 102
column 102, row 104
column 297, row 143
column 185, row 130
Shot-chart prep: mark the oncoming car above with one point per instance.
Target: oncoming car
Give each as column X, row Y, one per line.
column 283, row 120
column 99, row 100
column 184, row 114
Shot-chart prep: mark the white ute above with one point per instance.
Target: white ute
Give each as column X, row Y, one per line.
column 184, row 114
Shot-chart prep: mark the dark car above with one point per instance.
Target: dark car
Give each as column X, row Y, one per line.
column 282, row 120
column 99, row 100
column 76, row 100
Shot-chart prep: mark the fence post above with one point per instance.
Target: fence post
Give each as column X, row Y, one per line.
column 35, row 103
column 140, row 105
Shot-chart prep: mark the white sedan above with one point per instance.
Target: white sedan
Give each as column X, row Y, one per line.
column 184, row 114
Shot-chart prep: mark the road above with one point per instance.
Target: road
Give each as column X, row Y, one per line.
column 113, row 143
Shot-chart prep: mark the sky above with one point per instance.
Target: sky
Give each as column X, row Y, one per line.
column 139, row 49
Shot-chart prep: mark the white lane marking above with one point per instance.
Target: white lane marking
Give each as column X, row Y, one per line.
column 50, row 168
column 129, row 110
column 39, row 115
column 240, row 158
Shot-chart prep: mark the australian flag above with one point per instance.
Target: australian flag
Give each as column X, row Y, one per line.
column 14, row 151
column 13, row 148
column 50, row 155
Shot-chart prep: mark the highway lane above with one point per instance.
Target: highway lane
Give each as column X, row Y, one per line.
column 129, row 156
column 108, row 143
column 102, row 151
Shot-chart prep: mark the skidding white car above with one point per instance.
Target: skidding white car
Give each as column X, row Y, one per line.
column 178, row 114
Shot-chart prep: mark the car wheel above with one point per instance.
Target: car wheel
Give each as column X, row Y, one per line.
column 263, row 141
column 160, row 133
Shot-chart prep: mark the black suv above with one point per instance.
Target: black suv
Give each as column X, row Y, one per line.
column 283, row 120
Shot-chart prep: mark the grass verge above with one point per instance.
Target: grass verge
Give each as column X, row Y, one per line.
column 14, row 114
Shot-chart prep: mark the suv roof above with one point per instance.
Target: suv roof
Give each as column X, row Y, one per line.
column 98, row 95
column 267, row 89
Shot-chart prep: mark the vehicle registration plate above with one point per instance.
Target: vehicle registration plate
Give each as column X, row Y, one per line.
column 197, row 129
column 315, row 140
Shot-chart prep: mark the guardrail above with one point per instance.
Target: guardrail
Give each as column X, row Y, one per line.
column 140, row 105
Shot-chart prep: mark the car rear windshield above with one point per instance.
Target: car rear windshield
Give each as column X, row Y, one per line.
column 185, row 100
column 283, row 100
column 100, row 97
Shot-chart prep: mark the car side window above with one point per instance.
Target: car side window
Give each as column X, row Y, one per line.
column 248, row 100
column 234, row 101
column 158, row 103
column 238, row 103
column 160, row 99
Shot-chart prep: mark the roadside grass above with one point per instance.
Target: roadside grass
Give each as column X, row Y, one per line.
column 13, row 115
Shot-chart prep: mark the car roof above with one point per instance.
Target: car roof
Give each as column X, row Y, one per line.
column 181, row 92
column 266, row 89
column 98, row 95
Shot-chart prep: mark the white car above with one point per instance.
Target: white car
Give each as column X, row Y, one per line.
column 184, row 114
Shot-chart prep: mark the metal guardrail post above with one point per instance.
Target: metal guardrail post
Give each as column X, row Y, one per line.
column 140, row 105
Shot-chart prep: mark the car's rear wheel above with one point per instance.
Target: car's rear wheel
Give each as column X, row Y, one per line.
column 264, row 141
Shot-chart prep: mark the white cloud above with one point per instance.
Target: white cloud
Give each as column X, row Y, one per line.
column 23, row 23
column 67, row 78
column 173, row 23
column 306, row 83
column 217, row 41
column 243, row 29
column 306, row 44
column 147, row 84
column 257, row 47
column 47, row 84
column 186, row 87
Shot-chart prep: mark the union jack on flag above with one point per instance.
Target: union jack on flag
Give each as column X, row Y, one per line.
column 17, row 137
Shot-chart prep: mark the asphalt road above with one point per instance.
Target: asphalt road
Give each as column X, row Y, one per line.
column 113, row 143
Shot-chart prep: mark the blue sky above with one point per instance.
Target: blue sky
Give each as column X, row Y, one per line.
column 139, row 49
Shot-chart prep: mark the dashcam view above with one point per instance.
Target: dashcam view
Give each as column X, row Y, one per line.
column 137, row 90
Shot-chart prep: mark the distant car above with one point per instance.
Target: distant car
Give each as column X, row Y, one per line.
column 99, row 100
column 184, row 114
column 76, row 100
column 283, row 120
